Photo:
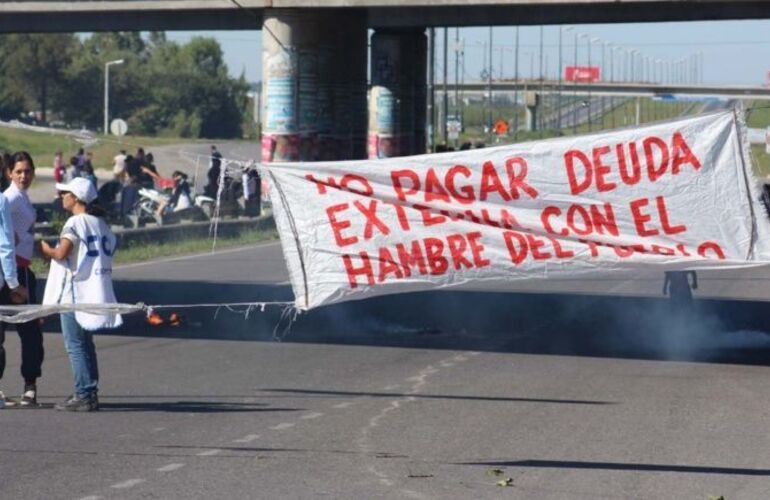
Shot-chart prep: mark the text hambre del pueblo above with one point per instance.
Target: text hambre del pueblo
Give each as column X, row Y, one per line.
column 635, row 162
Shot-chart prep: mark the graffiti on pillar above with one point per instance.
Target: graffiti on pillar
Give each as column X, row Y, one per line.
column 386, row 111
column 280, row 93
column 277, row 147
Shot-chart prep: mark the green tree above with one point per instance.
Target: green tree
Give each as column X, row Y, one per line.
column 33, row 66
column 162, row 88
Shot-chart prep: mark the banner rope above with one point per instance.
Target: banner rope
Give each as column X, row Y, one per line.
column 23, row 313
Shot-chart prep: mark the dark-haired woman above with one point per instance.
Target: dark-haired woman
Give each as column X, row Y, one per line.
column 20, row 171
column 81, row 273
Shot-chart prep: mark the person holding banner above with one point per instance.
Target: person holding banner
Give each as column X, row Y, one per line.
column 677, row 287
column 81, row 273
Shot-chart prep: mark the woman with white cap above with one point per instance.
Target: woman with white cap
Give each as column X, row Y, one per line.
column 81, row 273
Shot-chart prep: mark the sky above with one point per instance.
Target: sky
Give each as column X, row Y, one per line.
column 734, row 52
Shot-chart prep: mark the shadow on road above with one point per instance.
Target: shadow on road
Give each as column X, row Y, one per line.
column 621, row 466
column 621, row 327
column 319, row 393
column 192, row 407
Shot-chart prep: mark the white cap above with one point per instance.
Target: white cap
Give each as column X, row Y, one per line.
column 82, row 188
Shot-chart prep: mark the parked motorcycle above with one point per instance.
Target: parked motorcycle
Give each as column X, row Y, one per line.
column 200, row 208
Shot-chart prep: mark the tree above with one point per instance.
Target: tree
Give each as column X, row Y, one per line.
column 34, row 64
column 162, row 88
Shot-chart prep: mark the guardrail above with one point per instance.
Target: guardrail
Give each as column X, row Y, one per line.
column 160, row 234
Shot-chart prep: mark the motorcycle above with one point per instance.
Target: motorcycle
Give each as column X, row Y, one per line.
column 146, row 209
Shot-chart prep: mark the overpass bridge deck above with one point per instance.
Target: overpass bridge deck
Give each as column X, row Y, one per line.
column 113, row 15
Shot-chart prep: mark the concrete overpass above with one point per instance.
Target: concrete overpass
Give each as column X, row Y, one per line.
column 112, row 15
column 315, row 54
column 617, row 89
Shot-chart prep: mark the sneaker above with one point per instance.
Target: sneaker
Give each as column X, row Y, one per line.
column 75, row 403
column 29, row 398
column 2, row 400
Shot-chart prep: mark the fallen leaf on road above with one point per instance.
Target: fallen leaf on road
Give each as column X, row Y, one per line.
column 495, row 472
column 505, row 482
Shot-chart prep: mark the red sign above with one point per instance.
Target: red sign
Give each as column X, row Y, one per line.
column 588, row 74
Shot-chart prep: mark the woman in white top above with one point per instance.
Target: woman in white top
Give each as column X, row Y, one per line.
column 21, row 173
column 81, row 273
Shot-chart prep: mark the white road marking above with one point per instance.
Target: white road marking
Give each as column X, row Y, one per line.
column 209, row 453
column 446, row 364
column 127, row 484
column 364, row 441
column 247, row 439
column 170, row 467
column 284, row 425
column 391, row 387
column 343, row 405
column 313, row 415
column 92, row 497
column 158, row 429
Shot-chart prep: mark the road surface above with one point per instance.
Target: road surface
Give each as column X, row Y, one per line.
column 420, row 396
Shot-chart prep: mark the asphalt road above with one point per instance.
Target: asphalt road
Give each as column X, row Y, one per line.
column 415, row 396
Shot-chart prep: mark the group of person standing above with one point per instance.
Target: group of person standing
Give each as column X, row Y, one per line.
column 80, row 272
column 80, row 165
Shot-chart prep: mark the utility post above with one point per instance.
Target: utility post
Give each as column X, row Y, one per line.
column 107, row 92
column 445, row 99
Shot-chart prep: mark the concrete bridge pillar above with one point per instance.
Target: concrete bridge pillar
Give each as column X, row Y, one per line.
column 397, row 99
column 313, row 85
column 532, row 102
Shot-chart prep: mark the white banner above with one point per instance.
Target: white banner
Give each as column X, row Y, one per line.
column 671, row 196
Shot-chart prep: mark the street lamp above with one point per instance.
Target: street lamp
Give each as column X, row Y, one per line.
column 516, row 92
column 107, row 91
column 560, row 69
column 588, row 66
column 574, row 83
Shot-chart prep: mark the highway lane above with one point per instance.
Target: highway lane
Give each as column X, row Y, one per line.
column 384, row 399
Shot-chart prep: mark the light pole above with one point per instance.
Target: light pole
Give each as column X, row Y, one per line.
column 612, row 49
column 458, row 114
column 559, row 69
column 591, row 41
column 606, row 47
column 541, row 104
column 489, row 84
column 576, row 106
column 588, row 66
column 516, row 92
column 107, row 91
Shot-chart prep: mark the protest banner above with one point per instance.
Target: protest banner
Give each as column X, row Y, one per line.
column 669, row 196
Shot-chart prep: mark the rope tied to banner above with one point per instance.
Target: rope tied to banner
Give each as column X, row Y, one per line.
column 16, row 314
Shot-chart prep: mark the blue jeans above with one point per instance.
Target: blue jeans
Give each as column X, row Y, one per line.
column 79, row 344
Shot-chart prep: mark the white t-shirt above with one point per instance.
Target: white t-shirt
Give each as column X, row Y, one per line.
column 119, row 164
column 85, row 276
column 23, row 216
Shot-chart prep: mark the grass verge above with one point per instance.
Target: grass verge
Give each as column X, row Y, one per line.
column 43, row 146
